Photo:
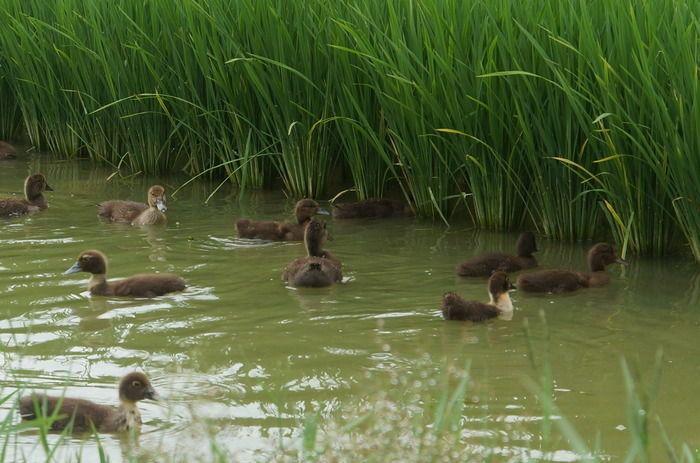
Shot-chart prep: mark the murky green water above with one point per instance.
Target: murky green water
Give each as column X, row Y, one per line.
column 250, row 358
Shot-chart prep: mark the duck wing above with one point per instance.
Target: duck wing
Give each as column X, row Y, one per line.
column 11, row 207
column 485, row 264
column 551, row 281
column 120, row 211
column 314, row 272
column 456, row 308
column 260, row 229
column 147, row 285
column 82, row 413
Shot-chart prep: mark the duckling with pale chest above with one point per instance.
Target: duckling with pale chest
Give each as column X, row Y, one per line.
column 34, row 200
column 454, row 307
column 372, row 208
column 485, row 264
column 82, row 415
column 142, row 285
column 319, row 268
column 560, row 281
column 304, row 210
column 137, row 213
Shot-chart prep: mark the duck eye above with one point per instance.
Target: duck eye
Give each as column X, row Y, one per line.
column 136, row 384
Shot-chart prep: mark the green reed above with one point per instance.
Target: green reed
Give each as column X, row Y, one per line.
column 577, row 118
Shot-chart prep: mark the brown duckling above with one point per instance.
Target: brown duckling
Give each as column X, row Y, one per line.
column 372, row 208
column 34, row 200
column 560, row 281
column 485, row 264
column 7, row 151
column 143, row 285
column 85, row 414
column 499, row 305
column 319, row 268
column 281, row 231
column 134, row 212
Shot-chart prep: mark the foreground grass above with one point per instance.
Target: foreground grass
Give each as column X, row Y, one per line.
column 421, row 417
column 576, row 117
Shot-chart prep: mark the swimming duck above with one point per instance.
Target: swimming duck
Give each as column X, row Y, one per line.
column 455, row 307
column 134, row 212
column 560, row 281
column 371, row 208
column 319, row 268
column 485, row 264
column 143, row 285
column 34, row 187
column 7, row 151
column 281, row 231
column 85, row 414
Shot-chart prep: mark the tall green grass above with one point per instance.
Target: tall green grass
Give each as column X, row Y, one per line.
column 578, row 118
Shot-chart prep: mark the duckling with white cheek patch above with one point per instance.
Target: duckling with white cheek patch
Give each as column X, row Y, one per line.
column 560, row 281
column 143, row 285
column 34, row 200
column 137, row 213
column 85, row 415
column 455, row 307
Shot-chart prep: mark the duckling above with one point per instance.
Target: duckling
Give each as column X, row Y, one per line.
column 372, row 208
column 281, row 231
column 499, row 305
column 143, row 285
column 320, row 268
column 85, row 414
column 561, row 281
column 485, row 264
column 134, row 212
column 7, row 151
column 34, row 200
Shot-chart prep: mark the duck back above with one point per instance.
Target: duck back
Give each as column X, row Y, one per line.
column 552, row 281
column 7, row 151
column 313, row 272
column 485, row 264
column 120, row 211
column 143, row 285
column 11, row 207
column 474, row 311
column 83, row 413
column 260, row 229
column 371, row 208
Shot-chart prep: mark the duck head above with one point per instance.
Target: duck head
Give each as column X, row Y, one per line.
column 315, row 235
column 499, row 284
column 307, row 208
column 91, row 262
column 35, row 185
column 601, row 255
column 156, row 198
column 136, row 386
column 526, row 245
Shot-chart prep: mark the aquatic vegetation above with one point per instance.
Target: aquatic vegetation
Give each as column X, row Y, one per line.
column 579, row 118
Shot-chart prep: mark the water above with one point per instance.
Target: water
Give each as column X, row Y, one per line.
column 242, row 358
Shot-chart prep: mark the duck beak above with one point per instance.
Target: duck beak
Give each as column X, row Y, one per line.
column 322, row 211
column 47, row 187
column 622, row 261
column 151, row 394
column 74, row 269
column 160, row 204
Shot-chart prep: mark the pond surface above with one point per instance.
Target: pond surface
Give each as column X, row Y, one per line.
column 251, row 358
